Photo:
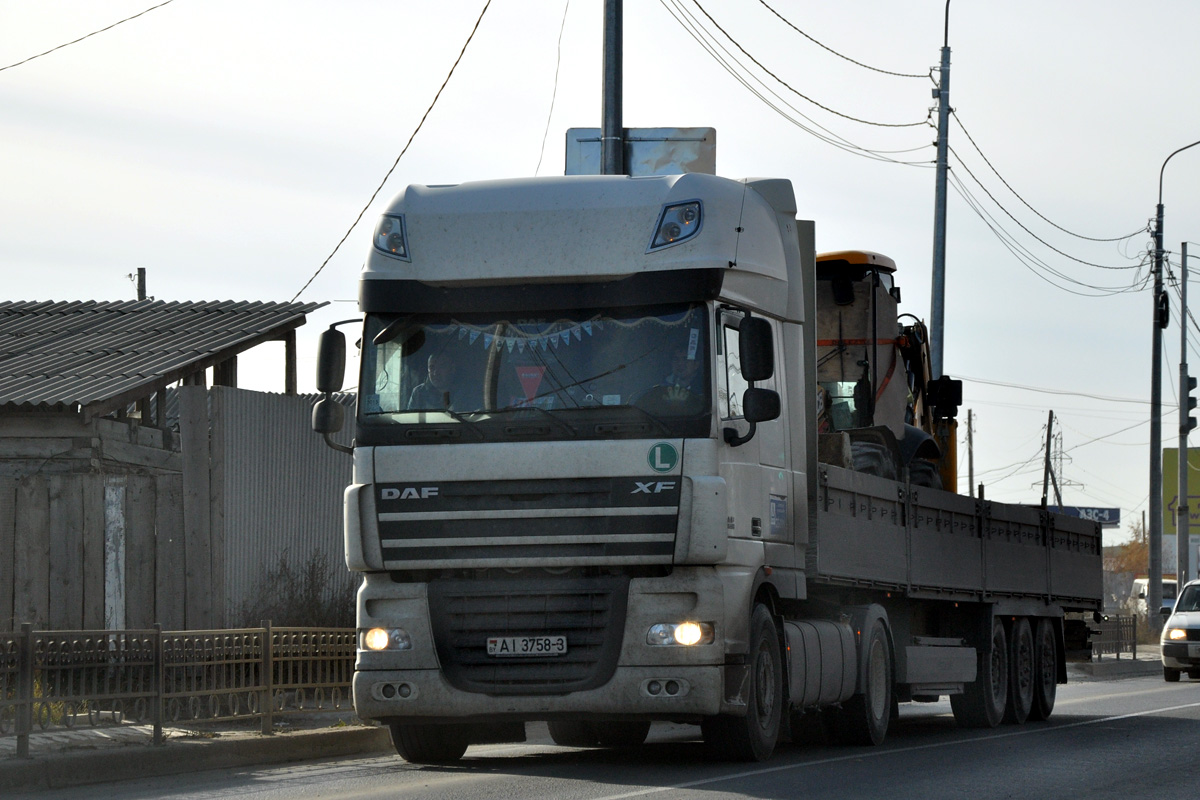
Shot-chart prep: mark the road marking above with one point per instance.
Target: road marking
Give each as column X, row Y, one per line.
column 858, row 755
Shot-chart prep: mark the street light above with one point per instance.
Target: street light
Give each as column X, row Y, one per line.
column 1154, row 567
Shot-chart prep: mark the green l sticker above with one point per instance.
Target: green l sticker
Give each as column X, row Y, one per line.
column 663, row 457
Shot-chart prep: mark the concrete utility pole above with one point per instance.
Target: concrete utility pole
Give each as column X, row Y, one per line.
column 1186, row 423
column 612, row 130
column 937, row 304
column 1154, row 535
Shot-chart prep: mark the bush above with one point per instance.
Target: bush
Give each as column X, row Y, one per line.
column 306, row 596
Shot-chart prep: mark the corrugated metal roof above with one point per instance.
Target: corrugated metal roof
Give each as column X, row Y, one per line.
column 58, row 355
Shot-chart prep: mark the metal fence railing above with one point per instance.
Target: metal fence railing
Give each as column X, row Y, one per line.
column 1116, row 635
column 61, row 680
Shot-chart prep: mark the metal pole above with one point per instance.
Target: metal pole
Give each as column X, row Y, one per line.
column 612, row 130
column 25, row 664
column 970, row 452
column 1154, row 567
column 937, row 305
column 141, row 283
column 1181, row 506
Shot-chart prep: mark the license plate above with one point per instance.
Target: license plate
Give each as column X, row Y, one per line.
column 1194, row 651
column 526, row 646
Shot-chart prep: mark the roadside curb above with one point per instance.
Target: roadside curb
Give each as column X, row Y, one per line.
column 78, row 768
column 1118, row 667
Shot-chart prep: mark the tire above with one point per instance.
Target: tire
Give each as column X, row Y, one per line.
column 1194, row 674
column 1045, row 665
column 1022, row 675
column 1170, row 675
column 572, row 734
column 922, row 472
column 429, row 744
column 864, row 718
column 754, row 736
column 598, row 734
column 982, row 703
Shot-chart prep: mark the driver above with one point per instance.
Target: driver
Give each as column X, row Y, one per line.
column 435, row 391
column 685, row 377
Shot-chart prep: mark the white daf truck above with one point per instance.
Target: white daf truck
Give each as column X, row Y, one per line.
column 626, row 451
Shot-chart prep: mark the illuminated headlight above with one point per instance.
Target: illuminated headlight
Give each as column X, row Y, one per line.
column 384, row 639
column 676, row 223
column 680, row 633
column 391, row 236
column 1174, row 634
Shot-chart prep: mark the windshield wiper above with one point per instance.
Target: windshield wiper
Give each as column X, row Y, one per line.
column 511, row 410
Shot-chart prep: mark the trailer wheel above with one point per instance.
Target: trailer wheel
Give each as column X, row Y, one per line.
column 598, row 734
column 1021, row 678
column 429, row 744
column 864, row 718
column 981, row 705
column 1170, row 675
column 754, row 736
column 1045, row 665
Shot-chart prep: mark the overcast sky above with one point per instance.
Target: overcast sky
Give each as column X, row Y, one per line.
column 227, row 147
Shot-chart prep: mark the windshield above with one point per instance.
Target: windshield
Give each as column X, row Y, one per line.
column 1190, row 601
column 600, row 373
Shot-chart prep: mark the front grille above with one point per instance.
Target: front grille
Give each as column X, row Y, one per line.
column 590, row 612
column 539, row 522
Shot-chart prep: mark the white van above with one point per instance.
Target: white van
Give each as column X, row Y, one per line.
column 1137, row 597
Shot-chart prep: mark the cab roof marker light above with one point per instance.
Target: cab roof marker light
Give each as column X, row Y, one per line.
column 677, row 223
column 391, row 236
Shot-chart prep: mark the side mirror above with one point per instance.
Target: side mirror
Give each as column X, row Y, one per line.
column 1166, row 612
column 331, row 362
column 760, row 405
column 328, row 416
column 756, row 349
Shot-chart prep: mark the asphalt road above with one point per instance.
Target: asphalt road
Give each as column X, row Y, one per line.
column 1126, row 738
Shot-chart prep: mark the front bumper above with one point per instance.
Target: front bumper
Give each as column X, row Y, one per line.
column 377, row 695
column 1181, row 655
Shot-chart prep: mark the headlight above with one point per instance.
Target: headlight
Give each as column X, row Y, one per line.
column 391, row 236
column 680, row 633
column 1174, row 634
column 676, row 223
column 384, row 639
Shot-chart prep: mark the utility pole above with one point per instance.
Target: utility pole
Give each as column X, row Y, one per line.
column 1154, row 535
column 970, row 452
column 1186, row 422
column 937, row 305
column 612, row 130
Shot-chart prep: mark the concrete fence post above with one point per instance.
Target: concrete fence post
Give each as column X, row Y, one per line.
column 24, row 689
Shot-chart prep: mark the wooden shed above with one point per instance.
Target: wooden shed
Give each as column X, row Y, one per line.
column 113, row 512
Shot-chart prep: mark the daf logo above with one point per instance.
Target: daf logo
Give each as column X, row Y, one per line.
column 653, row 487
column 409, row 493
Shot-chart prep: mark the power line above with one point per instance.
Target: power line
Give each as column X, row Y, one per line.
column 402, row 152
column 796, row 92
column 839, row 55
column 996, row 172
column 731, row 65
column 81, row 38
column 1031, row 233
column 554, row 93
column 1044, row 390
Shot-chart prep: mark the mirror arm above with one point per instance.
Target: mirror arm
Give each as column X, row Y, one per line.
column 337, row 445
column 733, row 439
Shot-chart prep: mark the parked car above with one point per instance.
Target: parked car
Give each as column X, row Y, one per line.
column 1181, row 635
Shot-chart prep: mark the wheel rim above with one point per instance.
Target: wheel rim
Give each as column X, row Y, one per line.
column 764, row 685
column 876, row 680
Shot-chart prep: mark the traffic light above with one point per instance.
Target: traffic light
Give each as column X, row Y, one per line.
column 1188, row 422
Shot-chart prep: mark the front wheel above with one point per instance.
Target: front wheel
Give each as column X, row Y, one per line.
column 429, row 744
column 864, row 718
column 982, row 703
column 1170, row 675
column 754, row 736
